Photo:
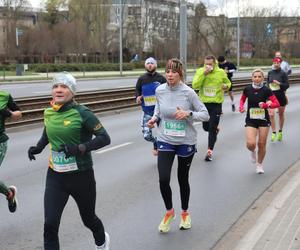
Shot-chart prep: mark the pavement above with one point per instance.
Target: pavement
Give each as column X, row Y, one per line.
column 272, row 221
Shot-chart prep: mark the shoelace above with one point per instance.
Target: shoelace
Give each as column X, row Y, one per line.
column 184, row 215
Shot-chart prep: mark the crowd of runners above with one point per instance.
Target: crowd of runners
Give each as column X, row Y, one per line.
column 170, row 107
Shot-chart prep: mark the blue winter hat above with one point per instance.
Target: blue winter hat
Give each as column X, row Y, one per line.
column 67, row 79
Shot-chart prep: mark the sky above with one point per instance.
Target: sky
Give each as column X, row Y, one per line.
column 231, row 9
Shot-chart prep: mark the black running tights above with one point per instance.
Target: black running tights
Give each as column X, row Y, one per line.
column 82, row 187
column 165, row 162
column 214, row 110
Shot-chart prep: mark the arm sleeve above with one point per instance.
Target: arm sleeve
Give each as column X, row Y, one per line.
column 200, row 112
column 289, row 69
column 43, row 141
column 101, row 137
column 275, row 102
column 156, row 113
column 243, row 100
column 12, row 105
column 268, row 77
column 284, row 85
column 138, row 87
column 198, row 79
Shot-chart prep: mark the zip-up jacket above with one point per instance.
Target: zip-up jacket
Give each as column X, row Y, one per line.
column 210, row 85
column 73, row 124
column 146, row 86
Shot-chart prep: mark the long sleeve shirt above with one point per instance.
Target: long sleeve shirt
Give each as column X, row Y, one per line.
column 169, row 99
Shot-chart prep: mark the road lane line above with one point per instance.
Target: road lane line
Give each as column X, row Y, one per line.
column 113, row 148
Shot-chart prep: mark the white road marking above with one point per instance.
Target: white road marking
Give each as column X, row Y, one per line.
column 113, row 148
column 251, row 238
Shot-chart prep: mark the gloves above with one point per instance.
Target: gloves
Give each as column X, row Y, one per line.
column 5, row 112
column 33, row 150
column 72, row 150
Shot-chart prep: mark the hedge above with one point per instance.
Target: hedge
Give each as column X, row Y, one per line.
column 130, row 66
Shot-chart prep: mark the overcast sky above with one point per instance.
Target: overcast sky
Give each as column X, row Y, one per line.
column 290, row 6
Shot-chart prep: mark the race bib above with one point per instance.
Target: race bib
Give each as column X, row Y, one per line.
column 61, row 164
column 210, row 91
column 174, row 128
column 150, row 100
column 274, row 86
column 257, row 113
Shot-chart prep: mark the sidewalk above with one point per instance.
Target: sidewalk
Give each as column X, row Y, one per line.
column 80, row 74
column 273, row 222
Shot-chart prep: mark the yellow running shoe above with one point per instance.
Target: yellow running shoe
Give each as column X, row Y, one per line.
column 185, row 222
column 273, row 138
column 164, row 225
column 279, row 136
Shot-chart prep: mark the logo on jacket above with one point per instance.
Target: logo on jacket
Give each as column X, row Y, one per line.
column 67, row 123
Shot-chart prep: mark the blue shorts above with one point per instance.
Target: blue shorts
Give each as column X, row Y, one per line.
column 182, row 150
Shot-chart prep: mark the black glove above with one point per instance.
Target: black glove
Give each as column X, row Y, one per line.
column 71, row 149
column 5, row 112
column 33, row 150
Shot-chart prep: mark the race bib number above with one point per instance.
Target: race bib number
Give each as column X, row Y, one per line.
column 61, row 164
column 175, row 128
column 211, row 92
column 274, row 86
column 257, row 113
column 150, row 100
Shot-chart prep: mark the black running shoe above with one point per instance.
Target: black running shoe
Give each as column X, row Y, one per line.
column 233, row 108
column 12, row 199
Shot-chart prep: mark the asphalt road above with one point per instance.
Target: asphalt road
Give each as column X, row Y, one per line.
column 44, row 87
column 128, row 198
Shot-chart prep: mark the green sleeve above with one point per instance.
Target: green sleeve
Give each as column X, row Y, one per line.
column 198, row 79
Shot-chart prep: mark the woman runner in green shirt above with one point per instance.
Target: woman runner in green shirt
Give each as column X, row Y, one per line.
column 69, row 130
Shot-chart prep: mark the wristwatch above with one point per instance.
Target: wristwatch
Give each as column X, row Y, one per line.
column 191, row 114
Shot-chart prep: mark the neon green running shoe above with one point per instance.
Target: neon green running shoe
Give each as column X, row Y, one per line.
column 273, row 138
column 185, row 222
column 164, row 225
column 279, row 136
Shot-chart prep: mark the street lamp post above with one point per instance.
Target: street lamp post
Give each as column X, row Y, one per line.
column 183, row 34
column 121, row 38
column 238, row 36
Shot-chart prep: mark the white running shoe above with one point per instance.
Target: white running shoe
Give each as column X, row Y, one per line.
column 106, row 244
column 259, row 169
column 253, row 156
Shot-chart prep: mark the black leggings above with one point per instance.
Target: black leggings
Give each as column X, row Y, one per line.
column 165, row 162
column 214, row 110
column 82, row 187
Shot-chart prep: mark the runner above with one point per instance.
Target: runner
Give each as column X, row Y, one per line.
column 69, row 128
column 178, row 106
column 229, row 68
column 260, row 98
column 211, row 81
column 145, row 95
column 285, row 67
column 8, row 108
column 284, row 64
column 278, row 83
